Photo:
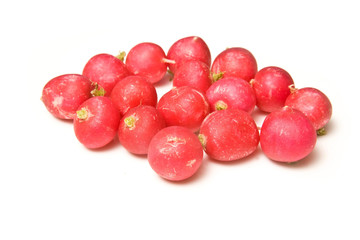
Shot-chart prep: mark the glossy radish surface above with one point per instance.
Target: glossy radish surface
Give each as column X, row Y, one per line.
column 62, row 95
column 194, row 74
column 272, row 87
column 147, row 60
column 96, row 122
column 138, row 126
column 287, row 135
column 184, row 106
column 313, row 103
column 209, row 107
column 231, row 93
column 235, row 62
column 186, row 49
column 133, row 91
column 175, row 153
column 105, row 70
column 229, row 135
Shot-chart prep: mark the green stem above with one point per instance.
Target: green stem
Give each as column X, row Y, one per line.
column 220, row 105
column 98, row 91
column 82, row 114
column 217, row 76
column 121, row 55
column 202, row 140
column 321, row 132
column 130, row 122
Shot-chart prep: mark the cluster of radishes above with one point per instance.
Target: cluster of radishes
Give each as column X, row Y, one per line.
column 209, row 107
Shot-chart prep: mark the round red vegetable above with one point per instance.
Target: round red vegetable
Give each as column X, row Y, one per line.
column 105, row 71
column 272, row 87
column 313, row 103
column 235, row 62
column 186, row 49
column 231, row 92
column 147, row 60
column 184, row 106
column 194, row 74
column 287, row 135
column 62, row 95
column 175, row 153
column 229, row 135
column 96, row 122
column 137, row 128
column 133, row 91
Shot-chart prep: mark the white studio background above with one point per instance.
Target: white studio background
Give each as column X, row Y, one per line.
column 51, row 187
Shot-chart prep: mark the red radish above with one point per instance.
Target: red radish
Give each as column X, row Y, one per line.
column 147, row 60
column 229, row 135
column 96, row 122
column 184, row 106
column 175, row 153
column 62, row 95
column 234, row 62
column 133, row 91
column 137, row 128
column 105, row 71
column 287, row 135
column 186, row 49
column 231, row 93
column 314, row 104
column 194, row 74
column 272, row 87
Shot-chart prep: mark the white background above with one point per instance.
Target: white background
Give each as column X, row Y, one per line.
column 51, row 187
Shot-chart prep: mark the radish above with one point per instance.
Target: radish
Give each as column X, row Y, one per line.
column 96, row 122
column 272, row 87
column 186, row 49
column 62, row 95
column 147, row 60
column 231, row 92
column 133, row 91
column 314, row 104
column 287, row 135
column 105, row 70
column 175, row 153
column 229, row 135
column 184, row 106
column 194, row 74
column 137, row 128
column 234, row 62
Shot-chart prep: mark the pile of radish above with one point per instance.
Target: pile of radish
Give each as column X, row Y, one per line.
column 208, row 109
